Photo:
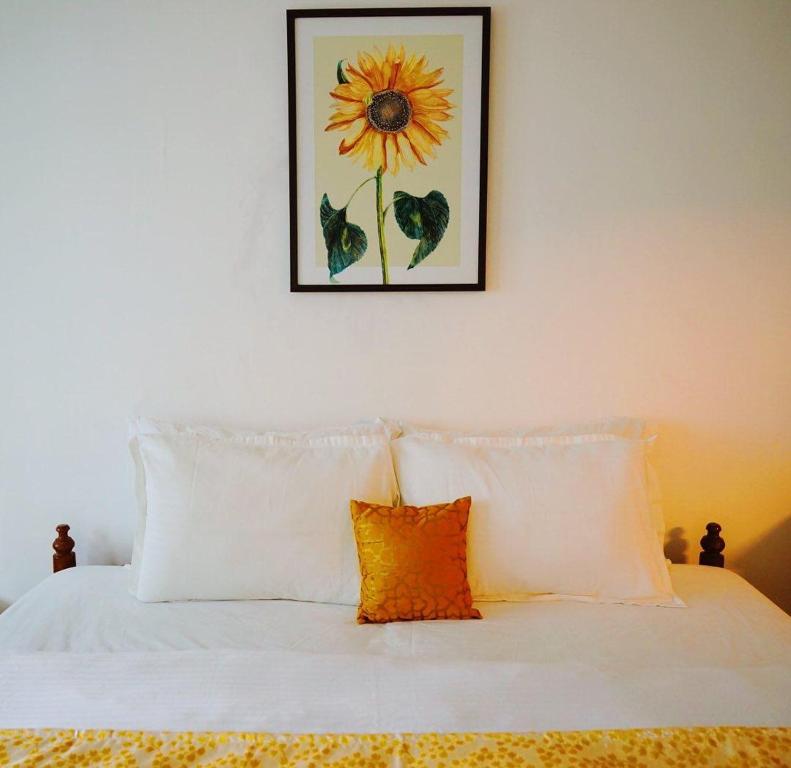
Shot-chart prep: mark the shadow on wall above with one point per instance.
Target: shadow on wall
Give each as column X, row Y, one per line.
column 90, row 540
column 759, row 565
column 99, row 541
column 676, row 546
column 739, row 479
column 770, row 556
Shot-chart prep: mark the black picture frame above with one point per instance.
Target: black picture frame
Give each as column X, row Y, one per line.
column 292, row 16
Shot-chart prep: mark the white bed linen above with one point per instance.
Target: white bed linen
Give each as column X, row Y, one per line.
column 79, row 652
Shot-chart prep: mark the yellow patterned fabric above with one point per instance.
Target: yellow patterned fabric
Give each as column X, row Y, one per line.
column 725, row 747
column 413, row 562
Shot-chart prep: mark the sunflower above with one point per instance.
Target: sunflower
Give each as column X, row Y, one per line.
column 393, row 107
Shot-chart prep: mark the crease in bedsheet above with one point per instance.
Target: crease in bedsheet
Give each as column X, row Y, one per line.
column 297, row 692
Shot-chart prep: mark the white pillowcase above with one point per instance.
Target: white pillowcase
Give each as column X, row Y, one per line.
column 562, row 516
column 619, row 427
column 238, row 515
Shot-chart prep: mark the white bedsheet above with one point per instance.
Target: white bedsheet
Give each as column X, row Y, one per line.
column 79, row 652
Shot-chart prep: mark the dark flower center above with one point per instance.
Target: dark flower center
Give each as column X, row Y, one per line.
column 389, row 111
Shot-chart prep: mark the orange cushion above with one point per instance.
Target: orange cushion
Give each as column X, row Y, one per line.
column 413, row 562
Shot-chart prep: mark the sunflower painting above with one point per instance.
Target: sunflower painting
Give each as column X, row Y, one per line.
column 388, row 145
column 392, row 107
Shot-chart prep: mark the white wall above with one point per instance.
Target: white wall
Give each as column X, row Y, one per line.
column 639, row 259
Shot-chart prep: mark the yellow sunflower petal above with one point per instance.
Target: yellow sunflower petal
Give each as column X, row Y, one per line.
column 360, row 79
column 348, row 146
column 421, row 140
column 392, row 76
column 345, row 110
column 371, row 144
column 433, row 114
column 428, row 80
column 354, row 91
column 393, row 151
column 412, row 67
column 412, row 138
column 420, row 109
column 404, row 150
column 429, row 97
column 394, row 61
column 371, row 71
column 434, row 131
column 342, row 125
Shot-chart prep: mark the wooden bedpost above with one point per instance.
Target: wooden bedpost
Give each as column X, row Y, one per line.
column 712, row 544
column 64, row 556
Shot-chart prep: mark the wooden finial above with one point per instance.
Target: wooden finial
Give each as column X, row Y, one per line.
column 712, row 544
column 64, row 556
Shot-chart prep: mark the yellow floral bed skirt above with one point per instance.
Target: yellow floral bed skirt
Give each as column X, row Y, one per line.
column 677, row 747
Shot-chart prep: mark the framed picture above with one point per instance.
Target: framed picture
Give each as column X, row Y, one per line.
column 388, row 113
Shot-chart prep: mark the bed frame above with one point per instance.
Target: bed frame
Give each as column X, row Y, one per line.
column 64, row 556
column 712, row 544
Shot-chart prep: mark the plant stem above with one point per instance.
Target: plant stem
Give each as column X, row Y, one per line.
column 359, row 187
column 380, row 225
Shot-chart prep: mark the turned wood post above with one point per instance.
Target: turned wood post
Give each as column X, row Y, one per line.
column 64, row 556
column 712, row 544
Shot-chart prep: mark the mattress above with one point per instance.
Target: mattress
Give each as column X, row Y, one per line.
column 79, row 652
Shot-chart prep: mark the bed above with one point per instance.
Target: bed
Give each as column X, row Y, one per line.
column 92, row 676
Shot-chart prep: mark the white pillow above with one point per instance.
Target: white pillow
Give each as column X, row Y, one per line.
column 619, row 427
column 238, row 515
column 564, row 516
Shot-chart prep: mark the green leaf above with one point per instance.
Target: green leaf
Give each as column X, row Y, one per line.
column 346, row 243
column 422, row 218
column 341, row 75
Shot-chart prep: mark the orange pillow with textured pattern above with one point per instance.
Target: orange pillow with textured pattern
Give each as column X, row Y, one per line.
column 413, row 562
